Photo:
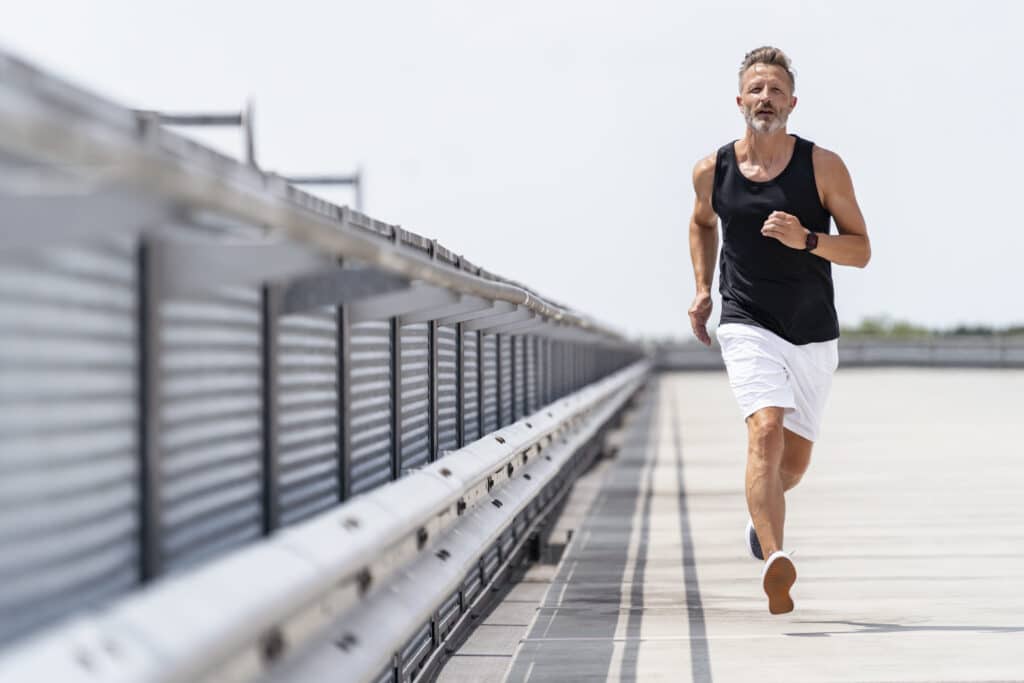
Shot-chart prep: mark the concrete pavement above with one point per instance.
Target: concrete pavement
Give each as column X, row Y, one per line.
column 907, row 531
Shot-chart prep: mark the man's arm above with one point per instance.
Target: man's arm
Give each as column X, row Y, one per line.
column 703, row 246
column 851, row 247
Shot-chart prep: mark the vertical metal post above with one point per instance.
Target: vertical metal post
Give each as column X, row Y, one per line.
column 513, row 375
column 150, row 564
column 432, row 431
column 248, row 130
column 460, row 388
column 344, row 404
column 479, row 383
column 271, row 299
column 357, row 185
column 497, row 377
column 538, row 370
column 396, row 399
column 432, row 354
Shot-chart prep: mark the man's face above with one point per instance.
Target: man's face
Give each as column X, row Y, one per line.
column 766, row 97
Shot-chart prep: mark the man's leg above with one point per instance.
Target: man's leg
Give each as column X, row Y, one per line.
column 776, row 461
column 764, row 485
column 796, row 457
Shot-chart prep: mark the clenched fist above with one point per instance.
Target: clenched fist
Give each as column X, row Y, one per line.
column 786, row 228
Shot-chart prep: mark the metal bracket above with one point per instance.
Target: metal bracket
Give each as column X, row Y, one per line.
column 465, row 304
column 497, row 308
column 489, row 325
column 184, row 268
column 339, row 286
column 417, row 297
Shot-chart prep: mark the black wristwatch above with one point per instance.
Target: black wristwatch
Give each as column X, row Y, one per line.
column 812, row 241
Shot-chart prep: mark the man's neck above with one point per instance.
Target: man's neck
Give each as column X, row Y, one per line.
column 763, row 149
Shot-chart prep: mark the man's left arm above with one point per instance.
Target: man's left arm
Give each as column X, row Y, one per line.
column 851, row 247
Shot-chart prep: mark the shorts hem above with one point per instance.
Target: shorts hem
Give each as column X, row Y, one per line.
column 800, row 430
column 767, row 403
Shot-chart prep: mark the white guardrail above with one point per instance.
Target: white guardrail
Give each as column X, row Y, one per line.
column 335, row 597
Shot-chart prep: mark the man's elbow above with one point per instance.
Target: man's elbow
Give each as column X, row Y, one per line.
column 865, row 255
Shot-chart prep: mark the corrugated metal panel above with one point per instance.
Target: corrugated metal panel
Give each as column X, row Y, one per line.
column 68, row 433
column 470, row 387
column 447, row 390
column 447, row 615
column 415, row 652
column 519, row 376
column 491, row 560
column 415, row 393
column 369, row 392
column 505, row 381
column 471, row 586
column 507, row 542
column 532, row 392
column 489, row 381
column 307, row 413
column 210, row 440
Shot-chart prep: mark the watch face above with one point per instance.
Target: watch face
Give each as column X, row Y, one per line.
column 812, row 241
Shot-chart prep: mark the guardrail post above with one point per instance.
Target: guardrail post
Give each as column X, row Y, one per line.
column 344, row 404
column 432, row 390
column 270, row 474
column 396, row 399
column 479, row 383
column 149, row 392
column 460, row 388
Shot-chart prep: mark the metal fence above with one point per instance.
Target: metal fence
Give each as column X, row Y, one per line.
column 194, row 354
column 939, row 352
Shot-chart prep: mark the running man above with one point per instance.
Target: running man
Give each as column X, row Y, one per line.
column 774, row 193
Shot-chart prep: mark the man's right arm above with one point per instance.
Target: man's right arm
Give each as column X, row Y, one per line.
column 703, row 246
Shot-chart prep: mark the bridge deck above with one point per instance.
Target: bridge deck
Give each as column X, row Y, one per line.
column 907, row 531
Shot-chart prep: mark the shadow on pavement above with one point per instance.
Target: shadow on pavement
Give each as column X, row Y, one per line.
column 867, row 628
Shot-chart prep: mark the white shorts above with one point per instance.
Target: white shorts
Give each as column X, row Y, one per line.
column 766, row 370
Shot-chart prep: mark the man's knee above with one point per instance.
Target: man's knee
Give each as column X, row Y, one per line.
column 765, row 429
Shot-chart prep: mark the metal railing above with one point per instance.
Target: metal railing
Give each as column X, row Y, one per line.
column 195, row 355
column 939, row 352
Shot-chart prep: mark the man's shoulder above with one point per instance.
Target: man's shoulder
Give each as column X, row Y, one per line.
column 704, row 169
column 825, row 159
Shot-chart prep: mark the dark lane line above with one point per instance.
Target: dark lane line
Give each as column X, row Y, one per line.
column 700, row 656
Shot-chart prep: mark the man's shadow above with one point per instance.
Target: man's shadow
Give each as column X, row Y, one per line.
column 868, row 628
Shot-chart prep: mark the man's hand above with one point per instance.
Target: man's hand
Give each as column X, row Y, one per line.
column 700, row 311
column 786, row 228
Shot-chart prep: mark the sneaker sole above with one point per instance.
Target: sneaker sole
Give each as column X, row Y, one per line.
column 778, row 579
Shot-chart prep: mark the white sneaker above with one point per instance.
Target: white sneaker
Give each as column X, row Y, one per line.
column 777, row 577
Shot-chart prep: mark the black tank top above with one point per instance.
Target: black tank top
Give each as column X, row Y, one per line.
column 763, row 282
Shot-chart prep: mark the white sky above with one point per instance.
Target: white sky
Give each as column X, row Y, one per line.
column 553, row 142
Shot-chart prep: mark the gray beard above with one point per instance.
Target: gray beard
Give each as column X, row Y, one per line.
column 778, row 122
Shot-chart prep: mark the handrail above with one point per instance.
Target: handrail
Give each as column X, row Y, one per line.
column 109, row 145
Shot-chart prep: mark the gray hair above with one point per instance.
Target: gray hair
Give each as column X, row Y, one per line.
column 768, row 55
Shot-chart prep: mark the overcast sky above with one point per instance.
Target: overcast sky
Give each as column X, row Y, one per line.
column 553, row 142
